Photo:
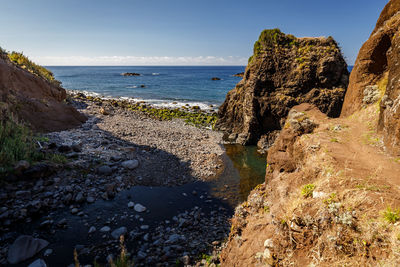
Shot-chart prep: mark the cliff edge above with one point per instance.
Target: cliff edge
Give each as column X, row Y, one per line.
column 34, row 99
column 284, row 71
column 331, row 197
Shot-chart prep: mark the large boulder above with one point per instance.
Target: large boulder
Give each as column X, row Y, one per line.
column 372, row 61
column 284, row 71
column 25, row 247
column 35, row 100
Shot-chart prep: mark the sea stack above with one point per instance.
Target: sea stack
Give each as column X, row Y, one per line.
column 284, row 71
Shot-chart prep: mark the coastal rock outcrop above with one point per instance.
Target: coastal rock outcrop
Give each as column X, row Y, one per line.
column 34, row 100
column 283, row 72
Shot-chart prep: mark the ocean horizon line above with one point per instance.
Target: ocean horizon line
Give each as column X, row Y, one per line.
column 145, row 65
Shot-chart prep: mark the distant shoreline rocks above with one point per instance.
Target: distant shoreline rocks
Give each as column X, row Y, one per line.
column 240, row 74
column 130, row 74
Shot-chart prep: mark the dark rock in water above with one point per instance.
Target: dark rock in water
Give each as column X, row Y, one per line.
column 142, row 86
column 118, row 232
column 130, row 74
column 283, row 72
column 215, row 79
column 240, row 74
column 25, row 247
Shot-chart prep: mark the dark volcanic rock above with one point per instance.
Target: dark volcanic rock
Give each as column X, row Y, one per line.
column 215, row 79
column 240, row 74
column 283, row 72
column 130, row 74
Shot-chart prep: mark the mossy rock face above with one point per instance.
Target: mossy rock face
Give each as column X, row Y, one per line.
column 284, row 71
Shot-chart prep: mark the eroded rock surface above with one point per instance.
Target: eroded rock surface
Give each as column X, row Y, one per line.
column 372, row 59
column 34, row 100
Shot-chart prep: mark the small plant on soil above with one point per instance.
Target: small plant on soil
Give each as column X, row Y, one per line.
column 58, row 158
column 307, row 190
column 390, row 215
column 331, row 199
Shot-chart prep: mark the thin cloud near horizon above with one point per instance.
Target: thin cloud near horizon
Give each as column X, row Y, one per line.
column 138, row 60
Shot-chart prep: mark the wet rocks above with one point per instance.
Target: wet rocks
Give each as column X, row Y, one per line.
column 90, row 199
column 172, row 240
column 105, row 229
column 118, row 232
column 92, row 229
column 38, row 263
column 139, row 208
column 215, row 79
column 131, row 204
column 25, row 247
column 79, row 198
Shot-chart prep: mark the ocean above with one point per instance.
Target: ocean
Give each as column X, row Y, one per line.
column 173, row 86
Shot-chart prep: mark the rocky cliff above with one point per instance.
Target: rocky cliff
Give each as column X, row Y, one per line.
column 284, row 71
column 34, row 100
column 372, row 60
column 375, row 76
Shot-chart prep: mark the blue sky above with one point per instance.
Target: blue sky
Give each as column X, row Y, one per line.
column 172, row 32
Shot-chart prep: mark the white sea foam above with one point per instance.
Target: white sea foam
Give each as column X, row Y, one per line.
column 155, row 74
column 132, row 86
column 159, row 103
column 87, row 93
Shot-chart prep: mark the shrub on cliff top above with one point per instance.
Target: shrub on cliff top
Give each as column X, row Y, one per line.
column 21, row 60
column 271, row 37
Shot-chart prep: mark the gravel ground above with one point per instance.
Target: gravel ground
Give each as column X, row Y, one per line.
column 111, row 152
